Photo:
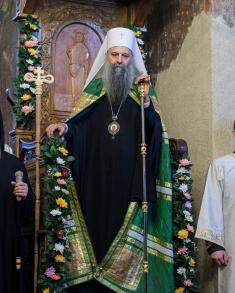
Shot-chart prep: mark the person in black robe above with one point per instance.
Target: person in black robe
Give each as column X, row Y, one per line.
column 16, row 217
column 108, row 168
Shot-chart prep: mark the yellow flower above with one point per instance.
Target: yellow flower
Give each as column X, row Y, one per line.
column 33, row 52
column 192, row 262
column 181, row 178
column 179, row 290
column 182, row 234
column 33, row 26
column 59, row 258
column 26, row 97
column 61, row 202
column 58, row 174
column 138, row 33
column 63, row 151
column 47, row 290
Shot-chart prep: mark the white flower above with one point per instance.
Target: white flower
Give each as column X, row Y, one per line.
column 192, row 270
column 65, row 191
column 55, row 212
column 183, row 187
column 186, row 213
column 140, row 42
column 143, row 29
column 181, row 271
column 57, row 188
column 29, row 61
column 60, row 161
column 189, row 218
column 24, row 86
column 181, row 170
column 187, row 240
column 33, row 90
column 59, row 247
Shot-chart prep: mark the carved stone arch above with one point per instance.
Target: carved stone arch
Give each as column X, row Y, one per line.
column 59, row 99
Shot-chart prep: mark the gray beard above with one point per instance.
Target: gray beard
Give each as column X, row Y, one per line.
column 118, row 79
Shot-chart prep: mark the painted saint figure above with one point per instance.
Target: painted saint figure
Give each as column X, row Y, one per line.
column 78, row 63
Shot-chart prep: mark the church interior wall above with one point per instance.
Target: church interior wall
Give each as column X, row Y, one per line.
column 223, row 86
column 8, row 49
column 181, row 67
column 192, row 62
column 186, row 88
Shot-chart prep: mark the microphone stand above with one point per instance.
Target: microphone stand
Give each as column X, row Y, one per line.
column 143, row 149
column 18, row 178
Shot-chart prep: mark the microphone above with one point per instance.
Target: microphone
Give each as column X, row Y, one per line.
column 19, row 178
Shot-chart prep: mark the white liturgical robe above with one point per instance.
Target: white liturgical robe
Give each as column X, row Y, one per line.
column 216, row 221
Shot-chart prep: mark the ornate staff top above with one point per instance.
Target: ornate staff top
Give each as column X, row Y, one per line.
column 39, row 78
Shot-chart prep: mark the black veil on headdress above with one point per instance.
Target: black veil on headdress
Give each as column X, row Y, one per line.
column 1, row 132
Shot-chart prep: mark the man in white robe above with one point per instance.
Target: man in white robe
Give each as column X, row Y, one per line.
column 216, row 223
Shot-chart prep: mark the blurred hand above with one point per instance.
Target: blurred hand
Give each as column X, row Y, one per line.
column 146, row 87
column 220, row 257
column 20, row 189
column 61, row 127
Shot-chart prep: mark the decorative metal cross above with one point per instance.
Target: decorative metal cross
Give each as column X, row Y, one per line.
column 39, row 78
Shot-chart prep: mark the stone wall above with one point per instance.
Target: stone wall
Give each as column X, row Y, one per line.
column 8, row 49
column 192, row 61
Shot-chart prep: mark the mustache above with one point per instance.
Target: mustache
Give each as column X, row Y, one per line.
column 119, row 68
column 118, row 79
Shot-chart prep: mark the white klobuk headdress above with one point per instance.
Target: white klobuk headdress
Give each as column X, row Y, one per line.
column 118, row 36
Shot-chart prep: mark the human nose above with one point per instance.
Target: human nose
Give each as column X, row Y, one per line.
column 119, row 59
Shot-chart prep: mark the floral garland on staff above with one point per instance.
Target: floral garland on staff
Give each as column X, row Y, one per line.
column 28, row 59
column 139, row 32
column 58, row 183
column 183, row 222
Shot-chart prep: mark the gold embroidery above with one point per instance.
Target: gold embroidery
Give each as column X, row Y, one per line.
column 152, row 238
column 210, row 235
column 164, row 196
column 127, row 267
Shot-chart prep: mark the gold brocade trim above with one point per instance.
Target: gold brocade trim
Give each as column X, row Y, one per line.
column 164, row 196
column 80, row 245
column 123, row 263
column 152, row 238
column 164, row 184
column 84, row 101
column 152, row 251
column 126, row 270
column 210, row 235
column 129, row 215
column 160, row 255
column 111, row 286
column 134, row 97
column 79, row 280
